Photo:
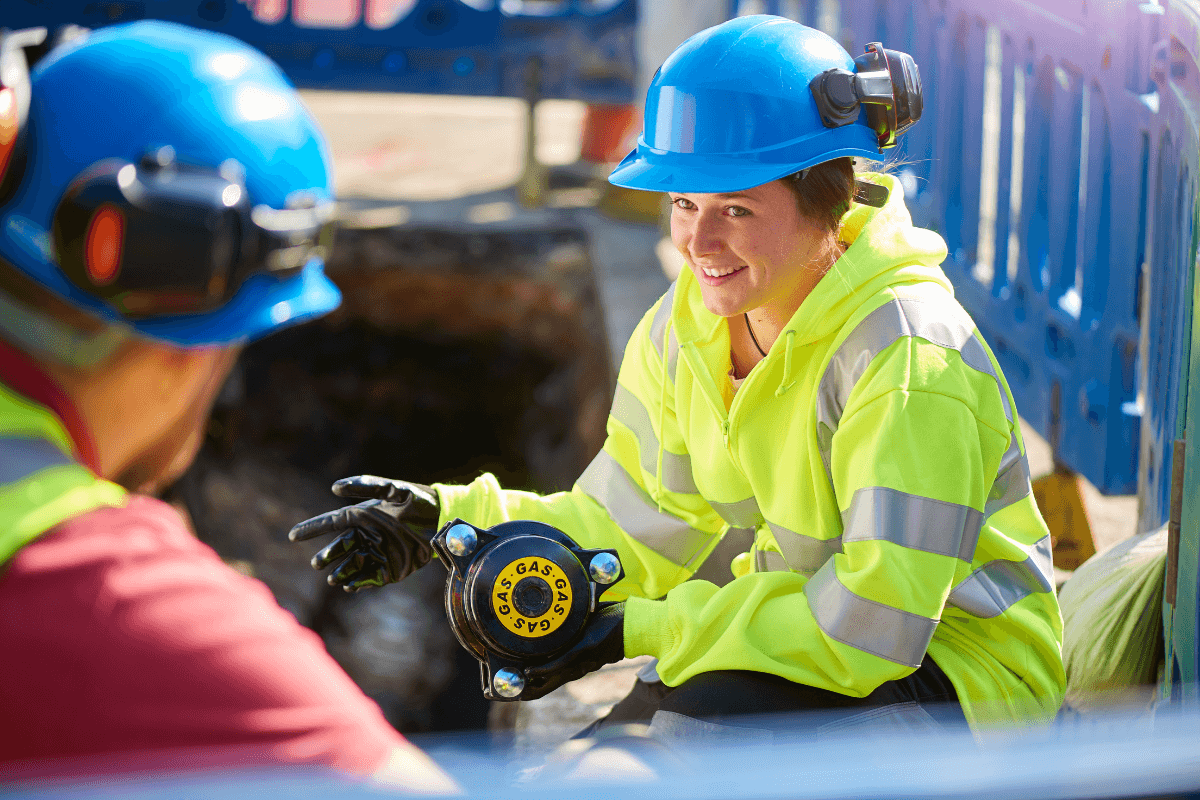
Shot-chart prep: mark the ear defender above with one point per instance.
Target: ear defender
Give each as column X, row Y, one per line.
column 885, row 84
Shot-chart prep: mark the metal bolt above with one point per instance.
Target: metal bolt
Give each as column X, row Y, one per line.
column 461, row 540
column 604, row 568
column 508, row 682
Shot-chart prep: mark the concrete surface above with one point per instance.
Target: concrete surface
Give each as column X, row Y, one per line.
column 394, row 154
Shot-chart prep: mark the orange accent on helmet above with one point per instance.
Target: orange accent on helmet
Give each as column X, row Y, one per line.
column 103, row 245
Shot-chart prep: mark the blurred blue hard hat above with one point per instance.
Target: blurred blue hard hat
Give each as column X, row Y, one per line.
column 171, row 179
column 731, row 109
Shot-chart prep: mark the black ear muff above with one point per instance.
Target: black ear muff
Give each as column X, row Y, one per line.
column 15, row 95
column 885, row 85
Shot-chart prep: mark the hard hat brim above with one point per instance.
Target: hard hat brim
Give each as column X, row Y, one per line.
column 264, row 305
column 680, row 172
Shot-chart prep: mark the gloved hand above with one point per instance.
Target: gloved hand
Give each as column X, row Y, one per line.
column 602, row 642
column 380, row 541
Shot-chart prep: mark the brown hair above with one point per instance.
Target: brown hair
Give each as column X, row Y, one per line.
column 825, row 191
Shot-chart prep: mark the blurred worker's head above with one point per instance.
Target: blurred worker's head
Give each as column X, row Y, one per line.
column 164, row 200
column 752, row 126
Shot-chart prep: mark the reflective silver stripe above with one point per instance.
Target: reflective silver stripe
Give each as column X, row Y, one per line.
column 1012, row 480
column 658, row 325
column 20, row 457
column 742, row 514
column 943, row 324
column 909, row 520
column 672, row 353
column 990, row 590
column 804, row 553
column 607, row 482
column 676, row 469
column 769, row 561
column 887, row 632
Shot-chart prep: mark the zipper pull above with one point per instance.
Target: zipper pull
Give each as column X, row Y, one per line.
column 725, row 432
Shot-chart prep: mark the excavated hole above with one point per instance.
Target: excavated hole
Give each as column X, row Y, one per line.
column 453, row 354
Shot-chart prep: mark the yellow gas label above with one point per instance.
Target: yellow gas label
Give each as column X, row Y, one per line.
column 542, row 583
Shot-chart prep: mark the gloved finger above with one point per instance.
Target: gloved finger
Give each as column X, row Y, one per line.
column 545, row 678
column 340, row 546
column 538, row 688
column 371, row 487
column 349, row 569
column 334, row 521
column 353, row 579
column 366, row 580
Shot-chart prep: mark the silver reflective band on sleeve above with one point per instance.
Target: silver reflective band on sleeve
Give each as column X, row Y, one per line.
column 742, row 514
column 944, row 324
column 658, row 325
column 909, row 520
column 1012, row 480
column 804, row 553
column 676, row 469
column 770, row 561
column 990, row 590
column 21, row 457
column 607, row 482
column 887, row 632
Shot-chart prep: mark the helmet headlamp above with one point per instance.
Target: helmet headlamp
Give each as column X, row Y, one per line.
column 885, row 84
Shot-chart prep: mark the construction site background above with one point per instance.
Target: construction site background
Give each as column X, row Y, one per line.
column 478, row 334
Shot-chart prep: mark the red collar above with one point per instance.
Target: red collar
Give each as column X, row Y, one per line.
column 22, row 374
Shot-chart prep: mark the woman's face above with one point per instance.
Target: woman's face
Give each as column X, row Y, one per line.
column 749, row 249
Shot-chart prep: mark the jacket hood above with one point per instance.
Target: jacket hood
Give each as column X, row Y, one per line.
column 885, row 249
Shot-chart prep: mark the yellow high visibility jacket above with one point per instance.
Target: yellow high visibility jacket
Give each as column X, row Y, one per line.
column 877, row 455
column 41, row 483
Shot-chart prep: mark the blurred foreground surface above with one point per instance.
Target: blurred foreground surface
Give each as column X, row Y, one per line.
column 1107, row 757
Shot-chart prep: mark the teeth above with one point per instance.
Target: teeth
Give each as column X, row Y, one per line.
column 718, row 272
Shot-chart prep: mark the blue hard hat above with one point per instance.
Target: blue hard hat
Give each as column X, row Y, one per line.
column 731, row 109
column 127, row 95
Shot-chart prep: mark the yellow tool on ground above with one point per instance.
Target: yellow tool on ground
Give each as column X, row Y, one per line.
column 1060, row 500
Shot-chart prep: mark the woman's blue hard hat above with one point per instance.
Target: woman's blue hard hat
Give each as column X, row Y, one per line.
column 731, row 109
column 122, row 91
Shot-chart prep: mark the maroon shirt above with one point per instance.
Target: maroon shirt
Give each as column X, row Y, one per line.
column 124, row 634
column 125, row 643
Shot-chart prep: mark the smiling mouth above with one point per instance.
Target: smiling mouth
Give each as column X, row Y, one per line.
column 720, row 272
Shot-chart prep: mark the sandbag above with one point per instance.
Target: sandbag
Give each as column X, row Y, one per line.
column 1112, row 618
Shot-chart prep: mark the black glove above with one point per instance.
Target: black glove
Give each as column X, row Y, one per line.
column 602, row 642
column 381, row 541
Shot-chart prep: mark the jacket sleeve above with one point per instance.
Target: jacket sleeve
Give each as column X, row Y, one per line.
column 626, row 498
column 911, row 467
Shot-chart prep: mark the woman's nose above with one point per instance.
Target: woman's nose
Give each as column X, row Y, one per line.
column 700, row 236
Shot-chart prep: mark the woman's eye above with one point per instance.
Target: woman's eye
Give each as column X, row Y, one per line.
column 683, row 203
column 738, row 211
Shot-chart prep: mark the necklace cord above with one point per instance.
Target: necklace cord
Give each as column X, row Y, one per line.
column 753, row 338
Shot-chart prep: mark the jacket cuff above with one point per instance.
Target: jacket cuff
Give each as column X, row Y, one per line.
column 647, row 628
column 469, row 503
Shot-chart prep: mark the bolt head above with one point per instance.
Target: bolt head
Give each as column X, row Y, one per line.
column 461, row 540
column 605, row 568
column 508, row 682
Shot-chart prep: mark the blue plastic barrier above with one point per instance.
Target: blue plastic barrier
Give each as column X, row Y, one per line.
column 582, row 49
column 1045, row 238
